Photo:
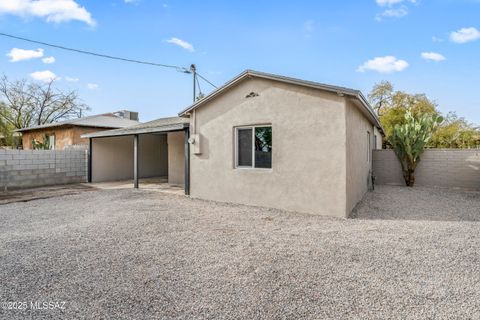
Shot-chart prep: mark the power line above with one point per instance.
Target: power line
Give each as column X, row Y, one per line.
column 204, row 79
column 178, row 68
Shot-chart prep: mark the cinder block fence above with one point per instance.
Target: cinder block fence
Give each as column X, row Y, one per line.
column 33, row 168
column 451, row 168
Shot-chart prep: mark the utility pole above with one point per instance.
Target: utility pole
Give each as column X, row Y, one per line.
column 193, row 70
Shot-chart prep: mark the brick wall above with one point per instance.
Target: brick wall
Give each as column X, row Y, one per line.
column 32, row 168
column 453, row 168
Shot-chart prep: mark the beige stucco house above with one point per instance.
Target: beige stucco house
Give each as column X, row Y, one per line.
column 267, row 140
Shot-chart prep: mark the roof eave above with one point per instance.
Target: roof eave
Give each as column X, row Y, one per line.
column 120, row 133
column 66, row 125
column 367, row 106
column 248, row 73
column 251, row 73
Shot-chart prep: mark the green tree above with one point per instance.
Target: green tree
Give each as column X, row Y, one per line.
column 41, row 145
column 381, row 96
column 409, row 140
column 456, row 132
column 392, row 106
column 25, row 104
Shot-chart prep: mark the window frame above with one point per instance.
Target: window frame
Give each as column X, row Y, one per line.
column 252, row 127
column 50, row 138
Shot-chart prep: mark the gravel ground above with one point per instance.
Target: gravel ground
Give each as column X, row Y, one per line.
column 420, row 203
column 134, row 254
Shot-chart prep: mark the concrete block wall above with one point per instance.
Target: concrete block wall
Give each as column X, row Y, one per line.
column 451, row 168
column 33, row 168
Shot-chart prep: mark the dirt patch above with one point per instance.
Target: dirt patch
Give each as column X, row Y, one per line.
column 26, row 195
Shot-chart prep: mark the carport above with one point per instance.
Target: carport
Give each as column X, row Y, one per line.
column 155, row 149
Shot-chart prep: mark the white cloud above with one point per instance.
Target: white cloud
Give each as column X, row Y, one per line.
column 437, row 39
column 387, row 64
column 92, row 86
column 433, row 56
column 132, row 1
column 384, row 3
column 21, row 54
column 181, row 43
column 51, row 10
column 393, row 13
column 309, row 26
column 389, row 3
column 48, row 60
column 45, row 76
column 395, row 8
column 465, row 35
column 71, row 79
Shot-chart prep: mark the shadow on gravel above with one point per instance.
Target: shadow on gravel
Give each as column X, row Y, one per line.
column 25, row 195
column 419, row 203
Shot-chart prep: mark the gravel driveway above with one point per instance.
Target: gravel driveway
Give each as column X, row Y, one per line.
column 127, row 254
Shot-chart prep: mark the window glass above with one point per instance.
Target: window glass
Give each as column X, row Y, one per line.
column 263, row 147
column 51, row 142
column 244, row 145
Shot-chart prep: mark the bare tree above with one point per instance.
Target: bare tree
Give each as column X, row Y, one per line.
column 31, row 103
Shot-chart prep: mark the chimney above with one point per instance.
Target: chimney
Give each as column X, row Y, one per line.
column 130, row 115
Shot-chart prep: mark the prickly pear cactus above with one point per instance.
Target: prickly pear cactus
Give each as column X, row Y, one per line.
column 409, row 141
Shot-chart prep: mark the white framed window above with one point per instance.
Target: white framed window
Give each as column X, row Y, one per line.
column 51, row 141
column 253, row 147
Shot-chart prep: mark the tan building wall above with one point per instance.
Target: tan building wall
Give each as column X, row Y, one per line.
column 176, row 158
column 153, row 155
column 309, row 160
column 359, row 154
column 112, row 157
column 64, row 136
column 379, row 139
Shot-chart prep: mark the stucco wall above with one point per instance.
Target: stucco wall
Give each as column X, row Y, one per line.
column 176, row 158
column 112, row 158
column 308, row 164
column 359, row 157
column 451, row 168
column 379, row 139
column 64, row 136
column 153, row 155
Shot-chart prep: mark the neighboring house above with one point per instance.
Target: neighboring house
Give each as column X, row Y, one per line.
column 67, row 133
column 260, row 139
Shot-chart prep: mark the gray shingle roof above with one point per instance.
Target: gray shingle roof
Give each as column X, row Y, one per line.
column 159, row 125
column 108, row 120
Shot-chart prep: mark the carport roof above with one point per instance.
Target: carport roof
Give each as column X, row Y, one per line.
column 159, row 125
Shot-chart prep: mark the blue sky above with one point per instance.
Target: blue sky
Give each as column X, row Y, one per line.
column 347, row 43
